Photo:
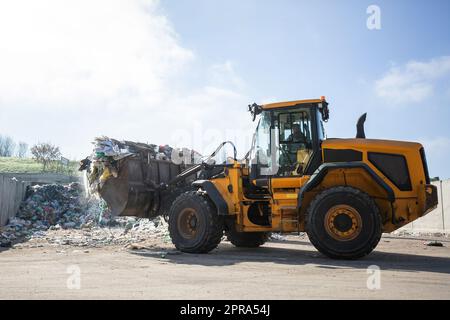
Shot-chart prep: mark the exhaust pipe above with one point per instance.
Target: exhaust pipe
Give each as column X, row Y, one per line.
column 360, row 134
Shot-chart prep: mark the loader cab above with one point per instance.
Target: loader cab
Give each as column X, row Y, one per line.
column 287, row 139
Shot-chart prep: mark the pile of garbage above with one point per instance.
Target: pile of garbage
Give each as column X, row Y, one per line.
column 53, row 205
column 62, row 214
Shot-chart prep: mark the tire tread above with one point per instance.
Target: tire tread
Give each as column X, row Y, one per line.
column 357, row 193
column 214, row 231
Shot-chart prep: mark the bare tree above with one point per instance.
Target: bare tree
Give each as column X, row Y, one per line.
column 2, row 145
column 7, row 146
column 45, row 153
column 22, row 150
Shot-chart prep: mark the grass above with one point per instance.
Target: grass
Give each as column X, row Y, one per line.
column 18, row 165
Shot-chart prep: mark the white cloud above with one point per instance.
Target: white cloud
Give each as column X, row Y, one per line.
column 413, row 82
column 72, row 70
column 63, row 50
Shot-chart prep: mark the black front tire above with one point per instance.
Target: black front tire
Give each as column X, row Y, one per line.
column 343, row 223
column 199, row 236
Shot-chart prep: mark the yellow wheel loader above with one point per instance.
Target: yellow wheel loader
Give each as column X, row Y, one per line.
column 343, row 192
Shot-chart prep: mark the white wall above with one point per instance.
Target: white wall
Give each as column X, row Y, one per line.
column 438, row 220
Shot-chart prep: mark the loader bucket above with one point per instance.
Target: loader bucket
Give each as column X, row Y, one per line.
column 134, row 192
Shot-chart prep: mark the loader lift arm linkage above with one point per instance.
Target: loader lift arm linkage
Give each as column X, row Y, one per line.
column 199, row 167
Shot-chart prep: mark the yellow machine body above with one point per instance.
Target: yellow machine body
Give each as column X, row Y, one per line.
column 286, row 217
column 283, row 192
column 343, row 192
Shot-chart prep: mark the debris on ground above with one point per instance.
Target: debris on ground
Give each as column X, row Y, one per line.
column 434, row 244
column 418, row 234
column 124, row 231
column 276, row 236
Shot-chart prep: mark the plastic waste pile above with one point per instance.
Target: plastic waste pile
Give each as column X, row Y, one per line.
column 63, row 206
column 63, row 215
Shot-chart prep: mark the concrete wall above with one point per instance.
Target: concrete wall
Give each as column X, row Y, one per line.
column 12, row 192
column 43, row 178
column 446, row 204
column 438, row 220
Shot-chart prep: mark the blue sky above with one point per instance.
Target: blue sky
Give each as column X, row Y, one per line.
column 182, row 72
column 299, row 49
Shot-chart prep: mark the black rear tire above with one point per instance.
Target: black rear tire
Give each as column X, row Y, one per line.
column 247, row 239
column 343, row 223
column 194, row 224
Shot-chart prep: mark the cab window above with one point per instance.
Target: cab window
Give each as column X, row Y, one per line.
column 283, row 142
column 295, row 142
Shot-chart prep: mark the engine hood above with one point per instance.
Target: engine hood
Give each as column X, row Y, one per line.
column 375, row 145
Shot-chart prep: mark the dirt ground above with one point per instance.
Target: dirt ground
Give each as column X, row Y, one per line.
column 290, row 269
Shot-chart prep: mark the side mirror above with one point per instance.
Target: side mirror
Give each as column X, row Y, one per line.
column 254, row 110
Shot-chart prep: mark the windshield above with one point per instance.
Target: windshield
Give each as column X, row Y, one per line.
column 261, row 148
column 283, row 142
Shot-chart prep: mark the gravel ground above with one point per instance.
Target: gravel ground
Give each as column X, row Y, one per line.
column 288, row 268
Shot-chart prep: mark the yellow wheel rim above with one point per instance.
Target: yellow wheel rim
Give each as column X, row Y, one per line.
column 187, row 223
column 343, row 222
